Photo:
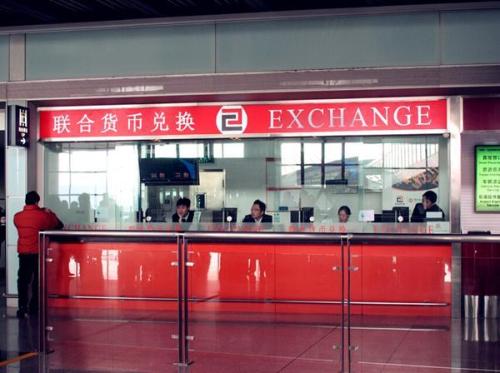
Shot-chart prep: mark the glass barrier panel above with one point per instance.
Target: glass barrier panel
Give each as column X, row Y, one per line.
column 264, row 306
column 400, row 310
column 111, row 305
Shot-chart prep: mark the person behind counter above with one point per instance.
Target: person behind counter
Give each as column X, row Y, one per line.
column 183, row 213
column 258, row 213
column 344, row 212
column 428, row 204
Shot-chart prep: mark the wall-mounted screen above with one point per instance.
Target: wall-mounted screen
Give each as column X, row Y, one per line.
column 487, row 196
column 169, row 171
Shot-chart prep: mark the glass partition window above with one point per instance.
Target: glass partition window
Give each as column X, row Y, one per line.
column 191, row 150
column 229, row 150
column 100, row 182
column 90, row 183
column 166, row 150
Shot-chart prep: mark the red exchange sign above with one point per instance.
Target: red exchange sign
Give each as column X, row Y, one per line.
column 242, row 120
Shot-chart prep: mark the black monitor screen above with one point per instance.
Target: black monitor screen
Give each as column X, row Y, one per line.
column 217, row 216
column 307, row 214
column 302, row 216
column 220, row 216
column 169, row 171
column 232, row 212
column 388, row 216
column 404, row 212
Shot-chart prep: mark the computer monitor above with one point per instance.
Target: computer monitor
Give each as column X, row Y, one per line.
column 388, row 216
column 302, row 216
column 169, row 171
column 220, row 216
column 217, row 216
column 307, row 214
column 232, row 212
column 402, row 211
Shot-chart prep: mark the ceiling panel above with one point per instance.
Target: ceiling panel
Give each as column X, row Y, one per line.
column 43, row 12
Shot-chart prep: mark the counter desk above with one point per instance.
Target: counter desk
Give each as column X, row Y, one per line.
column 245, row 276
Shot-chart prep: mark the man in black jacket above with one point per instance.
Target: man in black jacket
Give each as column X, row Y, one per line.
column 183, row 213
column 428, row 204
column 258, row 213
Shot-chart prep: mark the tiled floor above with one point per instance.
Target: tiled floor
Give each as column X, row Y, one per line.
column 144, row 344
column 17, row 337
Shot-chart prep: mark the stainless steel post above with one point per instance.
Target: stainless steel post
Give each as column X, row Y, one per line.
column 491, row 331
column 349, row 267
column 42, row 348
column 185, row 265
column 180, row 314
column 471, row 306
column 490, row 310
column 471, row 330
column 41, row 294
column 342, row 320
column 42, row 302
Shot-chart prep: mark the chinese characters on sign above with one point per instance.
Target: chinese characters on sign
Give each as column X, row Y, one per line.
column 92, row 124
column 488, row 178
column 250, row 120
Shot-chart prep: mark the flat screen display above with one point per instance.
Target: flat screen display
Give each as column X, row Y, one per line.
column 487, row 191
column 169, row 171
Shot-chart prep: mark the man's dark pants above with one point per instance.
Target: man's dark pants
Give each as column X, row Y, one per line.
column 28, row 275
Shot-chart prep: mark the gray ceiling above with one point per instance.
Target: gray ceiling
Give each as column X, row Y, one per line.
column 42, row 12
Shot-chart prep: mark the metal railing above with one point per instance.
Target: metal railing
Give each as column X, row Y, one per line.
column 184, row 239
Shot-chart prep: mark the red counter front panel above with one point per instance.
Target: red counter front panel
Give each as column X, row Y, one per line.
column 234, row 277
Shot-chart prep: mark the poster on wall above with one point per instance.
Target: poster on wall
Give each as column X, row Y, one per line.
column 487, row 190
column 405, row 187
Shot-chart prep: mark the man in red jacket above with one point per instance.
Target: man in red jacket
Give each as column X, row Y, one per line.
column 29, row 223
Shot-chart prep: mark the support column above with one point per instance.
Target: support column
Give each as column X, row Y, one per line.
column 455, row 125
column 455, row 115
column 16, row 170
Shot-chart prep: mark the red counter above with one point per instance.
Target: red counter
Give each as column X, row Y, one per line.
column 263, row 278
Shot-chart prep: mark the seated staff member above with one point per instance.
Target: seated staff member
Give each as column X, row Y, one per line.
column 257, row 213
column 183, row 214
column 429, row 199
column 418, row 214
column 344, row 213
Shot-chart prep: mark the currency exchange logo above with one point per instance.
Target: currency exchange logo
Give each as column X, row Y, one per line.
column 232, row 120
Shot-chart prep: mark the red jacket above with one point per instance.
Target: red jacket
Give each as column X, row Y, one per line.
column 29, row 223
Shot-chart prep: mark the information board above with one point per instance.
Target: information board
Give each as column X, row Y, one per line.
column 487, row 198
